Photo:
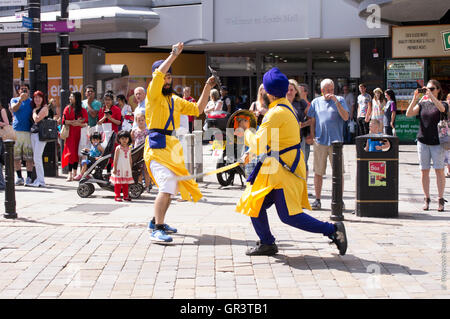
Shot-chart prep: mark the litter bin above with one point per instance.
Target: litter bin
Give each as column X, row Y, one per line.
column 50, row 159
column 377, row 178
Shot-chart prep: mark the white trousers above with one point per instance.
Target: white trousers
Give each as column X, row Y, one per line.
column 38, row 150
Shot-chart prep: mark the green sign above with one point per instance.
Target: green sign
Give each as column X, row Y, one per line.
column 406, row 128
column 446, row 38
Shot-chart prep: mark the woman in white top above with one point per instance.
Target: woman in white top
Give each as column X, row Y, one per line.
column 214, row 104
column 123, row 104
column 376, row 110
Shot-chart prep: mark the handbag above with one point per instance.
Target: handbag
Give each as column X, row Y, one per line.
column 64, row 134
column 7, row 133
column 48, row 130
column 444, row 131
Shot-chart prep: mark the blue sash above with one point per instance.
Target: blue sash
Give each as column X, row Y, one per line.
column 277, row 155
column 157, row 137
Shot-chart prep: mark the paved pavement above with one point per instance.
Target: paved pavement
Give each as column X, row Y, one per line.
column 63, row 246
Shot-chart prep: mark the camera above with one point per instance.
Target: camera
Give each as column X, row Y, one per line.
column 108, row 112
column 422, row 90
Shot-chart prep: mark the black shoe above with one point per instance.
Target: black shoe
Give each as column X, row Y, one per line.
column 262, row 250
column 339, row 237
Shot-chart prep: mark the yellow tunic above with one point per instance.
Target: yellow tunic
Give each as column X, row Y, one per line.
column 279, row 130
column 156, row 115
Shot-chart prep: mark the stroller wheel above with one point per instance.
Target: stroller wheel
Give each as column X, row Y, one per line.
column 225, row 178
column 85, row 190
column 135, row 190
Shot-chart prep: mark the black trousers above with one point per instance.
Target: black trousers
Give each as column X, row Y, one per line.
column 363, row 126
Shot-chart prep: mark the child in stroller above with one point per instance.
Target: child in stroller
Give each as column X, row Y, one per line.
column 92, row 154
column 94, row 172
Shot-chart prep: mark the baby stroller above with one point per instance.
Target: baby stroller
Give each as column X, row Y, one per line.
column 94, row 173
column 232, row 150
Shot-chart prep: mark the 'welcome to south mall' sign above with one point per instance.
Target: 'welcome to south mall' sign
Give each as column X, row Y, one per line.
column 421, row 41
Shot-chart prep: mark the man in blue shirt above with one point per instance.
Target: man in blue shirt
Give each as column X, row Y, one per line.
column 22, row 115
column 328, row 113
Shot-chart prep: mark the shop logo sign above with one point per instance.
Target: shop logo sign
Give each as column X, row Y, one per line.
column 446, row 39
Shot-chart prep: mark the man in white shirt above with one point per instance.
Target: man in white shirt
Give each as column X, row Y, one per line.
column 139, row 94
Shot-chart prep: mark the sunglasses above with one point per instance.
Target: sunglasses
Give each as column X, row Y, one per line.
column 432, row 89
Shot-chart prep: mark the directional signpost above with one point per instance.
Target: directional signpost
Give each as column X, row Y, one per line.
column 57, row 26
column 13, row 3
column 12, row 27
column 27, row 22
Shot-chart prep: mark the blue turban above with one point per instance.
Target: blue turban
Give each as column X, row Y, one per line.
column 157, row 64
column 275, row 82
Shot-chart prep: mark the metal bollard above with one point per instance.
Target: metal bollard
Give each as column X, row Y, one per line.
column 198, row 151
column 10, row 191
column 190, row 152
column 337, row 191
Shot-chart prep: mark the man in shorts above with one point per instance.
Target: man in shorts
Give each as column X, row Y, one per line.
column 22, row 112
column 163, row 153
column 329, row 113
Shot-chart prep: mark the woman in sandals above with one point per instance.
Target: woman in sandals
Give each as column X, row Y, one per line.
column 428, row 109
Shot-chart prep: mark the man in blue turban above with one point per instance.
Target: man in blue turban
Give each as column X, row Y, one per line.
column 279, row 176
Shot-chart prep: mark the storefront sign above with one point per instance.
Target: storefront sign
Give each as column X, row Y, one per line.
column 406, row 128
column 421, row 41
column 403, row 77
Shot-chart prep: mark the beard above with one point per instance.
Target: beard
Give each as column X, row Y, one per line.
column 266, row 99
column 167, row 91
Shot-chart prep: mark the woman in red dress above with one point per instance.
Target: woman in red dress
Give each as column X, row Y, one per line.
column 110, row 113
column 76, row 117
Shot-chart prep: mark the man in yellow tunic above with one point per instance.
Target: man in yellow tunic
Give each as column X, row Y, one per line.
column 279, row 176
column 163, row 153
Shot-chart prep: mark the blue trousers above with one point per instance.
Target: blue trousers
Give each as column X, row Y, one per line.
column 301, row 221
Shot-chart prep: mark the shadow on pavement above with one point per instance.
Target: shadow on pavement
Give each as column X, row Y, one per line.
column 26, row 220
column 346, row 263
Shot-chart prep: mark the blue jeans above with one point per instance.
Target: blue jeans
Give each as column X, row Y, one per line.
column 301, row 221
column 306, row 149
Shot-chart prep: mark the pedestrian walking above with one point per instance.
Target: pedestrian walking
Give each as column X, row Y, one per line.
column 429, row 109
column 122, row 175
column 76, row 117
column 22, row 112
column 376, row 109
column 163, row 153
column 328, row 114
column 390, row 112
column 40, row 112
column 364, row 104
column 279, row 178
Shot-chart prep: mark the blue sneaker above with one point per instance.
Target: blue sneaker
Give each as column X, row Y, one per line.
column 160, row 236
column 167, row 228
